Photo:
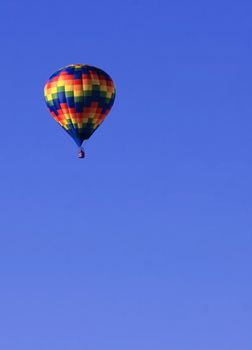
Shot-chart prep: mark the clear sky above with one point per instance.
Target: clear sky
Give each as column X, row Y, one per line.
column 146, row 244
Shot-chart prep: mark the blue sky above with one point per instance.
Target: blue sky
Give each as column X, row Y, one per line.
column 145, row 244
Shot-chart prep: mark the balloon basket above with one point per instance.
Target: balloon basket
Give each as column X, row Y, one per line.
column 81, row 153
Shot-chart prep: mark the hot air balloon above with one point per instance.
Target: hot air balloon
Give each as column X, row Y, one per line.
column 79, row 97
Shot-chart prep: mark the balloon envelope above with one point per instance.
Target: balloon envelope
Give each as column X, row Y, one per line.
column 79, row 98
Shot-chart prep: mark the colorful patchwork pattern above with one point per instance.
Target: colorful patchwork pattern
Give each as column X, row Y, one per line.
column 79, row 98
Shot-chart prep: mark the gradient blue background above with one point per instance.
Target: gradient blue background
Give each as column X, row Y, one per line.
column 145, row 244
